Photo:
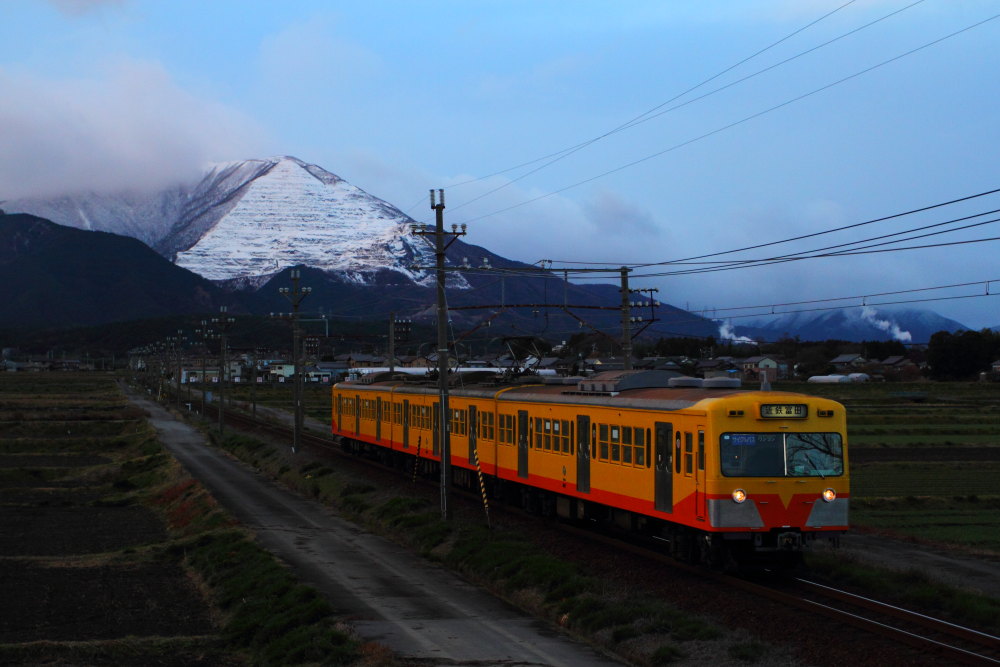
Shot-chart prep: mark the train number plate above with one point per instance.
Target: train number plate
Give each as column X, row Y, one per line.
column 783, row 411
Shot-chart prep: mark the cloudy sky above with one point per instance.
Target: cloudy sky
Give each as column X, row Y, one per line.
column 625, row 133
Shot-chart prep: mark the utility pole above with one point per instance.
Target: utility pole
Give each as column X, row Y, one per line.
column 398, row 329
column 392, row 343
column 295, row 296
column 178, row 342
column 440, row 246
column 206, row 335
column 224, row 323
column 253, row 383
column 626, row 320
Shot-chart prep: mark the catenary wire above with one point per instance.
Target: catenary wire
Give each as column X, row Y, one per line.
column 807, row 254
column 659, row 106
column 733, row 124
column 566, row 152
column 650, row 115
column 796, row 238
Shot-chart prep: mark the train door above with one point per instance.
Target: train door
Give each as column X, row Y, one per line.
column 700, row 500
column 473, row 457
column 522, row 444
column 406, row 424
column 357, row 414
column 583, row 453
column 663, row 481
column 340, row 411
column 378, row 418
column 436, row 419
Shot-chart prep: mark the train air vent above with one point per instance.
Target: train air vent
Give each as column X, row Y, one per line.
column 610, row 382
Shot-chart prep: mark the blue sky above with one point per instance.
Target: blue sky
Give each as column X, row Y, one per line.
column 400, row 97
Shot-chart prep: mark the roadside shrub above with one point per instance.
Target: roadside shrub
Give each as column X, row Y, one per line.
column 751, row 651
column 667, row 654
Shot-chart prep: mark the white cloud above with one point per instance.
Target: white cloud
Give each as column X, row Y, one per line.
column 133, row 127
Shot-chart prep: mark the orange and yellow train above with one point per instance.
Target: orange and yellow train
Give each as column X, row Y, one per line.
column 716, row 472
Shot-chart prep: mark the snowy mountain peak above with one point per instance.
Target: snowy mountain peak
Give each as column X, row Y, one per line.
column 245, row 221
column 290, row 213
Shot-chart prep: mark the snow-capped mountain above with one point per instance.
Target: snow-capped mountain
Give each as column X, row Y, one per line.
column 907, row 325
column 289, row 213
column 246, row 221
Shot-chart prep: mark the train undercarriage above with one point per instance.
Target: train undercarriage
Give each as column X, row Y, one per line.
column 779, row 548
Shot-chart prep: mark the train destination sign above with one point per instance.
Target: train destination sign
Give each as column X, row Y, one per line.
column 783, row 411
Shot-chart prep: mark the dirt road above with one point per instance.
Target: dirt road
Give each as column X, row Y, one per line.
column 391, row 596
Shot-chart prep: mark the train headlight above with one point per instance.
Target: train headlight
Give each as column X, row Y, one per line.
column 829, row 495
column 739, row 495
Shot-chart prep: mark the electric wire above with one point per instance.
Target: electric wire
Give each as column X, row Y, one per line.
column 736, row 123
column 820, row 252
column 844, row 253
column 650, row 115
column 856, row 296
column 795, row 238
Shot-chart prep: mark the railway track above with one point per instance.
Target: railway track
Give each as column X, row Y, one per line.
column 948, row 642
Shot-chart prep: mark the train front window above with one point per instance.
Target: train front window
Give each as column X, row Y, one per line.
column 781, row 454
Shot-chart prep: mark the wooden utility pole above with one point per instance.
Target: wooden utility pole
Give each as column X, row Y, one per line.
column 224, row 322
column 626, row 320
column 392, row 343
column 206, row 335
column 295, row 296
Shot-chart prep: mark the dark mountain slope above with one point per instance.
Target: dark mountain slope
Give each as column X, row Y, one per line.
column 53, row 275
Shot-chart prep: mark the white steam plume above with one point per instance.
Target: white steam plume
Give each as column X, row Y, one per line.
column 726, row 333
column 870, row 315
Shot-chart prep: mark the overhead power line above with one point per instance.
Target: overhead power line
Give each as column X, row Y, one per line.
column 846, row 249
column 736, row 123
column 844, row 253
column 795, row 238
column 863, row 297
column 650, row 115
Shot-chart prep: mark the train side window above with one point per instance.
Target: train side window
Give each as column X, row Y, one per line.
column 688, row 454
column 506, row 430
column 616, row 443
column 484, row 426
column 570, row 441
column 677, row 453
column 640, row 447
column 701, row 450
column 459, row 422
column 602, row 440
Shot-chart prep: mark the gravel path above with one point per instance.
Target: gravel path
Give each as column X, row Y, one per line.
column 417, row 610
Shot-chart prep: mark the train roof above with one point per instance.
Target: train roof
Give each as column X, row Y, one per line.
column 637, row 393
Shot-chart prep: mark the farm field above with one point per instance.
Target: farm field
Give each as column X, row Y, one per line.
column 113, row 556
column 938, row 459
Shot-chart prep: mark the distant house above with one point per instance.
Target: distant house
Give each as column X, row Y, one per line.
column 897, row 362
column 281, row 370
column 760, row 368
column 847, row 362
column 717, row 367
